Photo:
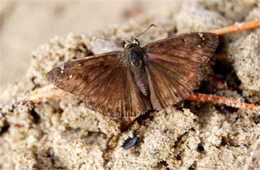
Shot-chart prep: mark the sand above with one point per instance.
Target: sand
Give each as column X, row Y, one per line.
column 62, row 133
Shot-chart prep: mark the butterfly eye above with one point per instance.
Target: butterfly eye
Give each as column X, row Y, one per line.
column 136, row 41
column 123, row 44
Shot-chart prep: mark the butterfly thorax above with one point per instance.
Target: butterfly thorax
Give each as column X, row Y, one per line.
column 134, row 60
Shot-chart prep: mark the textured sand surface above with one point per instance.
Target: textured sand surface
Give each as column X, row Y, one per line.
column 63, row 134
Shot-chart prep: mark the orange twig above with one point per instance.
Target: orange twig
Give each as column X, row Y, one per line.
column 221, row 56
column 237, row 27
column 222, row 101
column 127, row 124
column 44, row 94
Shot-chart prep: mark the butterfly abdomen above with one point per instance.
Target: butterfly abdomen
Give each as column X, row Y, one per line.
column 137, row 66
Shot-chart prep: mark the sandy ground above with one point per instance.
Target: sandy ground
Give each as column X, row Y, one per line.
column 63, row 134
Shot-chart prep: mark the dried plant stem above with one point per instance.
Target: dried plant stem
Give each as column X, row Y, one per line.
column 49, row 92
column 221, row 56
column 237, row 27
column 43, row 94
column 128, row 124
column 222, row 101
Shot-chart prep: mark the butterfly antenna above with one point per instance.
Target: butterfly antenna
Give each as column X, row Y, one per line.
column 152, row 25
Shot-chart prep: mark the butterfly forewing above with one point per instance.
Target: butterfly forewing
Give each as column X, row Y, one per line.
column 79, row 76
column 173, row 66
column 104, row 82
column 192, row 49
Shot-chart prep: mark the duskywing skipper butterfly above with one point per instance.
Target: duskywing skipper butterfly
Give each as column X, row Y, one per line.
column 137, row 79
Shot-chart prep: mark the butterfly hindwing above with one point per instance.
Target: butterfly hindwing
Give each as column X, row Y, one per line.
column 170, row 83
column 117, row 95
column 173, row 66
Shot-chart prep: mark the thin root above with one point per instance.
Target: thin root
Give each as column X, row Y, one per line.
column 237, row 27
column 221, row 56
column 43, row 94
column 222, row 101
column 50, row 92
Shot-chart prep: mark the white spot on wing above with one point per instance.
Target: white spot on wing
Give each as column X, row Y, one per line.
column 62, row 68
column 201, row 36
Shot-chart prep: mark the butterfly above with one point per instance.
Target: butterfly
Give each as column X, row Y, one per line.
column 134, row 80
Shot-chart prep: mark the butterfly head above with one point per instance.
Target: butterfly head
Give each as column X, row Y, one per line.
column 130, row 43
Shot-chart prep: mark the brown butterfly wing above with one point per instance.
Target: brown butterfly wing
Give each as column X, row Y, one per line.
column 105, row 83
column 173, row 66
